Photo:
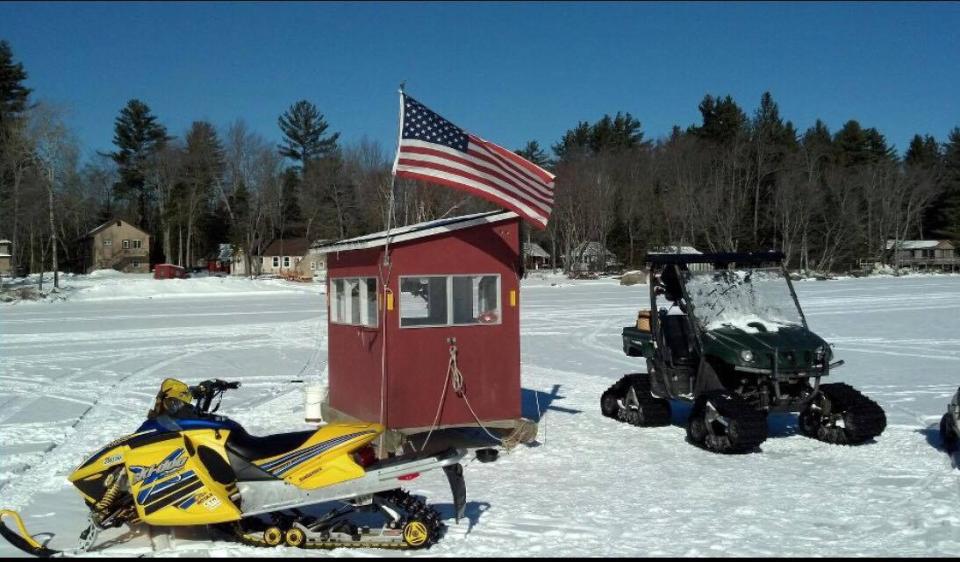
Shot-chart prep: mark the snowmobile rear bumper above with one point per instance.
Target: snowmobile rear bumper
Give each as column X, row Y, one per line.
column 22, row 539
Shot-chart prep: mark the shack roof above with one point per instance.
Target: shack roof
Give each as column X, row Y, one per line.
column 414, row 232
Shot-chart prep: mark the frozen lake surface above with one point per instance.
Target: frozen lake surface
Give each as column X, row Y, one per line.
column 79, row 373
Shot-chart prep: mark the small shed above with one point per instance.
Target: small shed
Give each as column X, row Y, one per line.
column 169, row 271
column 451, row 286
column 535, row 256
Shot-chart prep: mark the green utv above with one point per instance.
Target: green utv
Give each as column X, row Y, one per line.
column 726, row 332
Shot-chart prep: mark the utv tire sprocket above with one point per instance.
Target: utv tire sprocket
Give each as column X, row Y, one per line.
column 725, row 423
column 638, row 407
column 842, row 415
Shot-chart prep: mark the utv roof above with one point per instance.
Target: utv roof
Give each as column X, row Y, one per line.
column 721, row 259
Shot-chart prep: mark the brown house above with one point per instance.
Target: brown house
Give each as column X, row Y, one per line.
column 924, row 254
column 282, row 256
column 5, row 256
column 118, row 245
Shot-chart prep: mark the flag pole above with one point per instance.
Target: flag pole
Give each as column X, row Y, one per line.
column 393, row 178
column 384, row 283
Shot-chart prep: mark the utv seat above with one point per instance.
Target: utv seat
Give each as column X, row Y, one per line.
column 676, row 335
column 254, row 448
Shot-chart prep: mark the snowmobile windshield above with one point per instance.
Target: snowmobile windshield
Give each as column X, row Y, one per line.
column 752, row 300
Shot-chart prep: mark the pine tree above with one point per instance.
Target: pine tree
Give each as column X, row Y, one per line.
column 723, row 120
column 13, row 94
column 575, row 142
column 534, row 153
column 304, row 134
column 948, row 223
column 137, row 135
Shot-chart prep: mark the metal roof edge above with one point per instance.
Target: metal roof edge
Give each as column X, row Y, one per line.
column 411, row 232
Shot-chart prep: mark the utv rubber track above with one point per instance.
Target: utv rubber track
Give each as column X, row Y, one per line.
column 650, row 412
column 863, row 419
column 948, row 433
column 746, row 427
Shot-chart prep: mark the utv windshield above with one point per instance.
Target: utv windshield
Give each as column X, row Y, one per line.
column 753, row 300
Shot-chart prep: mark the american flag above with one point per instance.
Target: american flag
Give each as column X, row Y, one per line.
column 435, row 150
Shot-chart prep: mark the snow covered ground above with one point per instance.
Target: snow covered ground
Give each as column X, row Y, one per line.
column 80, row 372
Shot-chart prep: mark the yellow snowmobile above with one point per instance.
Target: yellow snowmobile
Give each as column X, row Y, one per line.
column 186, row 466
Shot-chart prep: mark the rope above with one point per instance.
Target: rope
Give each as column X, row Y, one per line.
column 455, row 376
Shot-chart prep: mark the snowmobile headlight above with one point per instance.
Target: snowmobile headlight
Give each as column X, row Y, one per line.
column 746, row 355
column 820, row 353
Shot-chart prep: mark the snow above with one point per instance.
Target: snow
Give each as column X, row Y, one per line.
column 80, row 372
column 109, row 285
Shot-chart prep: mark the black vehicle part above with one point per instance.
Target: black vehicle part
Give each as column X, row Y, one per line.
column 458, row 487
column 487, row 454
column 24, row 545
column 842, row 415
column 725, row 423
column 254, row 448
column 218, row 468
column 948, row 433
column 629, row 400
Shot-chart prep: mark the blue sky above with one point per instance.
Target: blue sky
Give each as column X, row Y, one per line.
column 509, row 72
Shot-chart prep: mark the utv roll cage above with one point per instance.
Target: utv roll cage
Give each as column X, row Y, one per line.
column 674, row 264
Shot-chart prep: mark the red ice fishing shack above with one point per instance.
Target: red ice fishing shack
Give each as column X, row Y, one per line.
column 429, row 339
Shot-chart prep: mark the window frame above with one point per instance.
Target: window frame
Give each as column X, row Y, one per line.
column 126, row 244
column 365, row 321
column 276, row 262
column 136, row 244
column 449, row 302
column 286, row 262
column 108, row 242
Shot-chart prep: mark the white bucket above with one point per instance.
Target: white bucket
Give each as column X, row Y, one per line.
column 313, row 397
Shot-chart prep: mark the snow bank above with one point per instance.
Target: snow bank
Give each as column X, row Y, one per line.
column 110, row 285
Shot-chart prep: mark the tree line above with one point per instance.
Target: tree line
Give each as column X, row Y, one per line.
column 732, row 182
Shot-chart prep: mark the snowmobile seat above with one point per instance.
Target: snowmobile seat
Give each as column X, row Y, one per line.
column 254, row 448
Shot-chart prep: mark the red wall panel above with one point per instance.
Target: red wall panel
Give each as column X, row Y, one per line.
column 417, row 358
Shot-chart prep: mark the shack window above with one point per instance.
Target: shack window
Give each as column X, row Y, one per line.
column 276, row 261
column 476, row 299
column 423, row 301
column 136, row 244
column 449, row 300
column 353, row 301
column 126, row 244
column 108, row 242
column 286, row 261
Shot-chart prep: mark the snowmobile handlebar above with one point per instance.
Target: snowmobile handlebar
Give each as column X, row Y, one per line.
column 205, row 392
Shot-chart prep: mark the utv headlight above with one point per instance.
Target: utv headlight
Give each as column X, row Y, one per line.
column 746, row 355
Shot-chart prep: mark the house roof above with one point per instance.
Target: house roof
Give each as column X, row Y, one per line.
column 111, row 223
column 919, row 244
column 414, row 232
column 5, row 241
column 533, row 249
column 674, row 249
column 288, row 247
column 591, row 250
